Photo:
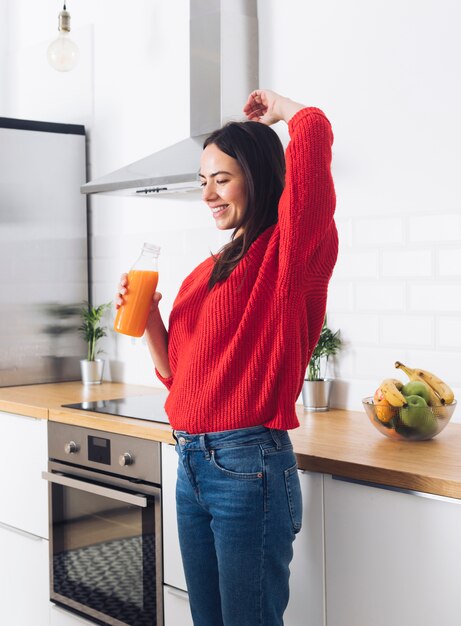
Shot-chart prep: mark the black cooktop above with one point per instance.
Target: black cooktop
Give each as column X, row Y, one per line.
column 140, row 407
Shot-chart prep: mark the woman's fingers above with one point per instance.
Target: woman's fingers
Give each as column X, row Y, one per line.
column 155, row 300
column 119, row 299
column 255, row 106
column 261, row 106
column 122, row 289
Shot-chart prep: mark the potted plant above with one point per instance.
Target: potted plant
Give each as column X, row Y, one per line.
column 92, row 331
column 317, row 389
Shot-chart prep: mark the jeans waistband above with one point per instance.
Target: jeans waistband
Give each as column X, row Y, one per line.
column 231, row 438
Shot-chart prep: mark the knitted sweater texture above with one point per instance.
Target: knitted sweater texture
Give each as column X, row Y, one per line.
column 238, row 353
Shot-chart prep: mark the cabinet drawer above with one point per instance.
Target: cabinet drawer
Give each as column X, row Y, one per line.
column 307, row 593
column 22, row 489
column 173, row 572
column 392, row 557
column 24, row 586
column 176, row 607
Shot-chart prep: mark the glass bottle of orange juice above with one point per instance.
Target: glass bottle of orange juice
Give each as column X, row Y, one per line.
column 131, row 317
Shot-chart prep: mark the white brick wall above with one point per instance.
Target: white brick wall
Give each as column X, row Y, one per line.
column 449, row 262
column 433, row 296
column 379, row 295
column 448, row 332
column 407, row 330
column 378, row 231
column 408, row 263
column 357, row 264
column 437, row 227
column 410, row 311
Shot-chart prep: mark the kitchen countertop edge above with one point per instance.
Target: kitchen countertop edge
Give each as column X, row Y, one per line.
column 337, row 442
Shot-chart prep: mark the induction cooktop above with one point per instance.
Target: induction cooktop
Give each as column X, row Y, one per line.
column 140, row 407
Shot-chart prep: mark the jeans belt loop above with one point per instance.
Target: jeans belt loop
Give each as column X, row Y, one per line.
column 203, row 446
column 276, row 438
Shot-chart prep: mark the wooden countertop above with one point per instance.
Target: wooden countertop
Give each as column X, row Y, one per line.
column 337, row 442
column 45, row 402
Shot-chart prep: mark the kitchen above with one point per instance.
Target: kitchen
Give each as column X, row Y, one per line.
column 385, row 77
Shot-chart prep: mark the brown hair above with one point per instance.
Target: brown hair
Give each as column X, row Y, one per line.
column 259, row 151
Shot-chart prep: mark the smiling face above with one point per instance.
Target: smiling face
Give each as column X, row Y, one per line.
column 224, row 187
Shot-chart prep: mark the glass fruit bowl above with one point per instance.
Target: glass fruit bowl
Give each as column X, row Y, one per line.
column 409, row 423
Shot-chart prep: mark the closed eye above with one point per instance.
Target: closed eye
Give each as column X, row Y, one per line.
column 218, row 182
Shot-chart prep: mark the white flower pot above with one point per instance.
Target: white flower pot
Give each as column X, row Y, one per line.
column 92, row 371
column 316, row 394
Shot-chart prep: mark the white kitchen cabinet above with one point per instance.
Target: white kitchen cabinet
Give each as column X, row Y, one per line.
column 176, row 600
column 24, row 587
column 176, row 607
column 24, row 582
column 173, row 572
column 23, row 492
column 62, row 617
column 392, row 557
column 306, row 604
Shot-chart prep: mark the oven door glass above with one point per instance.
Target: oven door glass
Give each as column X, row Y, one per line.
column 105, row 552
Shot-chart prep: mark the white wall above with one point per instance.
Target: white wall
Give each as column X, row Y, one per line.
column 386, row 74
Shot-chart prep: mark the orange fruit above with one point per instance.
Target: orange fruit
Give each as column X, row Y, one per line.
column 384, row 410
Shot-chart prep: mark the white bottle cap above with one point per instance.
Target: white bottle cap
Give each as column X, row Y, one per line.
column 151, row 247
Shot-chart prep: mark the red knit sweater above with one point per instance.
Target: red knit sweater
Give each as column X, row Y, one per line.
column 238, row 353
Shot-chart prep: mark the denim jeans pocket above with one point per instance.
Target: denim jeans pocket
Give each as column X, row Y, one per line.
column 240, row 462
column 293, row 489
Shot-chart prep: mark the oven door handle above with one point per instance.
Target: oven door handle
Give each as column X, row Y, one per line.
column 108, row 492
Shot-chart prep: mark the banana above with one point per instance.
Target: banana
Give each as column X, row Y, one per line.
column 434, row 399
column 440, row 387
column 440, row 392
column 390, row 388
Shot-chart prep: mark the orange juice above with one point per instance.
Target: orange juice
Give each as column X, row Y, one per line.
column 131, row 318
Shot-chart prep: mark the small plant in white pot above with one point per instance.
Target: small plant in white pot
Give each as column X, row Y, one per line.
column 92, row 331
column 317, row 389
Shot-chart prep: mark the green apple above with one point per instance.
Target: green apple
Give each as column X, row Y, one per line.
column 416, row 412
column 429, row 427
column 416, row 388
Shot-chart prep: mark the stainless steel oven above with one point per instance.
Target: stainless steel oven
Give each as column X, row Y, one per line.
column 105, row 525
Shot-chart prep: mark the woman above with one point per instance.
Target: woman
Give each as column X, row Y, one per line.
column 241, row 332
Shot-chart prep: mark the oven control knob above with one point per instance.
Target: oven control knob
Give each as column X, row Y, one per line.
column 126, row 459
column 71, row 447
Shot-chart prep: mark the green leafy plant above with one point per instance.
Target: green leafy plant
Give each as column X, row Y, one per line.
column 329, row 344
column 91, row 327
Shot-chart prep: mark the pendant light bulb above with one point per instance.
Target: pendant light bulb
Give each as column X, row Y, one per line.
column 62, row 53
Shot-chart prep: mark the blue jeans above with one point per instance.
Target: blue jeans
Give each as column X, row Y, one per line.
column 239, row 508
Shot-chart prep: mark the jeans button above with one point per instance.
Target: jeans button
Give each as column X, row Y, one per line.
column 182, row 441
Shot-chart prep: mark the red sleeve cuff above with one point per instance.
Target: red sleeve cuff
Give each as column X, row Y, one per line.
column 166, row 381
column 297, row 117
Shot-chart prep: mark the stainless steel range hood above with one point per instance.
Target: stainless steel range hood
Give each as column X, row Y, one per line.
column 223, row 71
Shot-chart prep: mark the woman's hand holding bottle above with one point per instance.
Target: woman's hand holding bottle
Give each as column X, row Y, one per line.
column 122, row 290
column 156, row 334
column 134, row 301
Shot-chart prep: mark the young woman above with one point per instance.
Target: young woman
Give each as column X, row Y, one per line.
column 241, row 332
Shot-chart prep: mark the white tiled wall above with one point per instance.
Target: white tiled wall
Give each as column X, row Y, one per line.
column 385, row 74
column 403, row 302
